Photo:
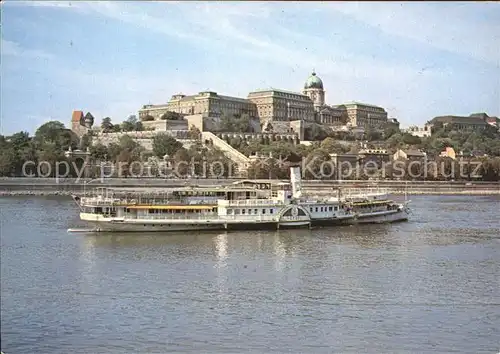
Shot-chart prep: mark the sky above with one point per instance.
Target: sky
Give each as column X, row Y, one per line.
column 417, row 60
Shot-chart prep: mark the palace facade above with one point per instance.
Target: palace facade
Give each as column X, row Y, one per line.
column 274, row 106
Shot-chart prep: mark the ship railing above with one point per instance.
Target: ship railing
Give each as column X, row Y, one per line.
column 363, row 192
column 248, row 202
column 124, row 202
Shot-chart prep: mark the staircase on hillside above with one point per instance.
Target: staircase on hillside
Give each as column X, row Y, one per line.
column 241, row 162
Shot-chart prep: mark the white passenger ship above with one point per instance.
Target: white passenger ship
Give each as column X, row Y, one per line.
column 242, row 205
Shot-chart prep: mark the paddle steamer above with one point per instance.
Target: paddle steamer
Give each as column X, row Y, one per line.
column 241, row 205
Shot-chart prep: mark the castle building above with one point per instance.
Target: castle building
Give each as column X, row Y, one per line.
column 206, row 103
column 271, row 106
column 475, row 121
column 324, row 114
column 280, row 105
column 81, row 124
column 364, row 115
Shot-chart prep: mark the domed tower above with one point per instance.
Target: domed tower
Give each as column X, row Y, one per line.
column 314, row 89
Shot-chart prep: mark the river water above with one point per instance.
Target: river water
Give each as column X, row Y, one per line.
column 428, row 285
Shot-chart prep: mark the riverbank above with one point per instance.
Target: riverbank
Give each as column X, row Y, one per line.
column 66, row 187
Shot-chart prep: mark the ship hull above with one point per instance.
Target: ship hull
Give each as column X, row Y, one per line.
column 165, row 226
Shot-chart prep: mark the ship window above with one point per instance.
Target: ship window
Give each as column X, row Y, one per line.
column 229, row 211
column 316, row 209
column 243, row 211
column 321, row 209
column 330, row 208
column 263, row 211
column 237, row 211
column 249, row 211
column 271, row 211
column 311, row 209
column 255, row 211
column 335, row 208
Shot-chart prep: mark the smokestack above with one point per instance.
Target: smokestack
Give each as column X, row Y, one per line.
column 296, row 181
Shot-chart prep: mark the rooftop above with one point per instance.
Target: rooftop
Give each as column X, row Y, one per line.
column 352, row 103
column 459, row 119
column 77, row 116
column 272, row 89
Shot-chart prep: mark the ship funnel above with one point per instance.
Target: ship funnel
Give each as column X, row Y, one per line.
column 296, row 182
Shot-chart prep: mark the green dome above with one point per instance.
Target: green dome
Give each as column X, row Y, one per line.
column 313, row 82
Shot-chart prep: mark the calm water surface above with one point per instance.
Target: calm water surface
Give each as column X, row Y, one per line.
column 428, row 285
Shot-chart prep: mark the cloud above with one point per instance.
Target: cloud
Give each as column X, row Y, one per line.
column 248, row 29
column 262, row 45
column 459, row 28
column 10, row 48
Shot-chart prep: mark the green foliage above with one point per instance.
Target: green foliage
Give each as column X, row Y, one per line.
column 236, row 124
column 132, row 124
column 106, row 125
column 148, row 118
column 99, row 152
column 171, row 116
column 373, row 135
column 410, row 139
column 486, row 141
column 194, row 133
column 390, row 130
column 333, row 147
column 164, row 144
column 315, row 132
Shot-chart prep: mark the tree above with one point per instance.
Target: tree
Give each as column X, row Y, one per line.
column 169, row 115
column 164, row 144
column 99, row 152
column 237, row 123
column 106, row 125
column 130, row 124
column 411, row 139
column 85, row 142
column 148, row 118
column 333, row 147
column 53, row 136
column 50, row 131
column 373, row 134
column 194, row 133
column 318, row 165
column 315, row 132
column 7, row 161
column 390, row 130
column 181, row 160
